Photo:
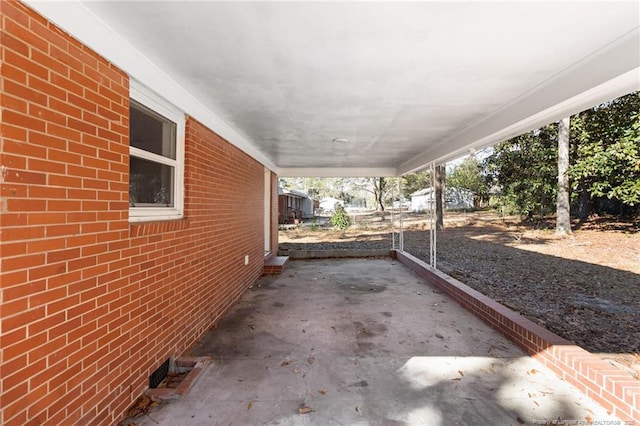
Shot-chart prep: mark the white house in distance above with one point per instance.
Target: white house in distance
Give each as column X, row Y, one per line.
column 328, row 204
column 455, row 198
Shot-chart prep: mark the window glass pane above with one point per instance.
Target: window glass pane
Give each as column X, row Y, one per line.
column 151, row 132
column 150, row 183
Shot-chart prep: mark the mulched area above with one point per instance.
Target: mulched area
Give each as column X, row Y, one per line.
column 585, row 288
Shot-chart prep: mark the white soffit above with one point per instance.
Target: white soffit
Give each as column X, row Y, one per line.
column 82, row 24
column 406, row 84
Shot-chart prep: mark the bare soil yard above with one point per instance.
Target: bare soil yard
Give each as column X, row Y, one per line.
column 585, row 288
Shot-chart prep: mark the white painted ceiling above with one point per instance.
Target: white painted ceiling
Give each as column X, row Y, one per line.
column 405, row 83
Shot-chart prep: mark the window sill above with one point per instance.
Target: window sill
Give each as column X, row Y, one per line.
column 156, row 226
column 149, row 219
column 142, row 215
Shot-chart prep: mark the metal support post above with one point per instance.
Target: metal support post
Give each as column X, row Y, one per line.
column 401, row 198
column 432, row 229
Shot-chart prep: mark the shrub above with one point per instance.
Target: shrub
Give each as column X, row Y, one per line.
column 340, row 218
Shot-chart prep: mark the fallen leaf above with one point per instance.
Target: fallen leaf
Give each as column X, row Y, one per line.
column 305, row 410
column 439, row 336
column 142, row 406
column 323, row 391
column 249, row 405
column 532, row 371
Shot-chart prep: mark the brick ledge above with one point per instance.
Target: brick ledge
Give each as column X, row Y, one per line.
column 196, row 365
column 614, row 389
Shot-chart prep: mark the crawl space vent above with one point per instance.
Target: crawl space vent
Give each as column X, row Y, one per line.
column 158, row 376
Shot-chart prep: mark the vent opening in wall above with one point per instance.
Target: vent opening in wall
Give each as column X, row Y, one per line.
column 160, row 374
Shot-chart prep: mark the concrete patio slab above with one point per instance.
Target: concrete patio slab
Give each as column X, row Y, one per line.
column 365, row 342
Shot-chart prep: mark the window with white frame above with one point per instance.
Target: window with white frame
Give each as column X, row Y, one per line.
column 156, row 159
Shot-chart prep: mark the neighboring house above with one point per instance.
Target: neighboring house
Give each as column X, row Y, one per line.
column 294, row 205
column 459, row 198
column 421, row 201
column 328, row 204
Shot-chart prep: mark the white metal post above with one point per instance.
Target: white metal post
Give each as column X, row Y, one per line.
column 432, row 230
column 393, row 227
column 401, row 214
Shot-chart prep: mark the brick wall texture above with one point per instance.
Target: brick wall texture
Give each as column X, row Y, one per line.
column 90, row 304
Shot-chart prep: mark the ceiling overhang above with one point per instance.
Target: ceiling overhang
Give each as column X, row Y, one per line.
column 406, row 84
column 607, row 75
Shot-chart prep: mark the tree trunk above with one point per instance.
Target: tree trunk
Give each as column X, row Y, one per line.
column 585, row 203
column 380, row 194
column 440, row 190
column 563, row 218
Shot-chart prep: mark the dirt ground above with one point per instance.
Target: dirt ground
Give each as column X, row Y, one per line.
column 585, row 287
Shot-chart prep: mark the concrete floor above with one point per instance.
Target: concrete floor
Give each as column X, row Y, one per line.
column 364, row 342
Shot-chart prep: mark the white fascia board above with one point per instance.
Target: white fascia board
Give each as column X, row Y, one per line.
column 82, row 24
column 606, row 75
column 336, row 171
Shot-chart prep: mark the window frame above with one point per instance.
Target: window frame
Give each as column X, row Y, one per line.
column 149, row 99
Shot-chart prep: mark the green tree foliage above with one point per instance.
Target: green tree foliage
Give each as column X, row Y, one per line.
column 340, row 219
column 415, row 182
column 469, row 175
column 607, row 150
column 524, row 170
column 604, row 162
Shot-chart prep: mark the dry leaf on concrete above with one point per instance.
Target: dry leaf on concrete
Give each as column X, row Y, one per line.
column 305, row 410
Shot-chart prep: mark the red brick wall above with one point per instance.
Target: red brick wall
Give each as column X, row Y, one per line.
column 91, row 305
